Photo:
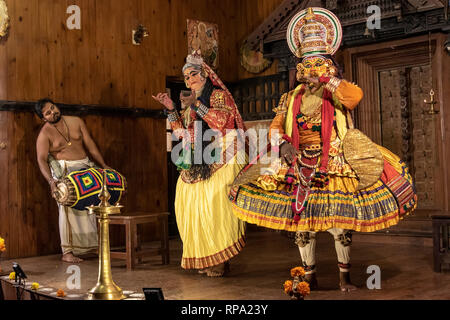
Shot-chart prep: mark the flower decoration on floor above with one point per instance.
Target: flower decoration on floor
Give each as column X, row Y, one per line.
column 2, row 249
column 35, row 286
column 298, row 289
column 12, row 276
column 2, row 245
column 297, row 272
column 60, row 293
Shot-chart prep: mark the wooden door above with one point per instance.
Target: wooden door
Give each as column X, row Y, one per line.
column 396, row 77
column 406, row 127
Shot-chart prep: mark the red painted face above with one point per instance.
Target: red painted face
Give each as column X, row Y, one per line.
column 194, row 79
column 51, row 113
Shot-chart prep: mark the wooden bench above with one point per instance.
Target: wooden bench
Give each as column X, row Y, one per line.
column 441, row 248
column 132, row 238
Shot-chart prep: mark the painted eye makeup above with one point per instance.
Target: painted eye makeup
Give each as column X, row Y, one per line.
column 193, row 74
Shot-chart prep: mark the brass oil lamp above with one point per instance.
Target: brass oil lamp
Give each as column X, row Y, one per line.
column 105, row 289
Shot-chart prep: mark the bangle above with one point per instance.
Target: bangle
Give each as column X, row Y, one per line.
column 333, row 84
column 173, row 116
column 202, row 110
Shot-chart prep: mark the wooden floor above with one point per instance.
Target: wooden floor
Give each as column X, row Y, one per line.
column 261, row 269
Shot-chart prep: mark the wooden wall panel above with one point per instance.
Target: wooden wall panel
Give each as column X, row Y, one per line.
column 98, row 65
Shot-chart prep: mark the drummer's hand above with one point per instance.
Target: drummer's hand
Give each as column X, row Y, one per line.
column 53, row 187
column 107, row 167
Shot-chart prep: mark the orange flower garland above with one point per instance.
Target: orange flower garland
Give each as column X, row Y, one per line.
column 60, row 293
column 288, row 287
column 303, row 288
column 299, row 288
column 297, row 272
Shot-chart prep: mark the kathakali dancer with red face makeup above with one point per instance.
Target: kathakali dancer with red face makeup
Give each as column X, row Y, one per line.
column 330, row 176
column 210, row 232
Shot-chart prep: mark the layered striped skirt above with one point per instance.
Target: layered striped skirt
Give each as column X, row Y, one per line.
column 336, row 205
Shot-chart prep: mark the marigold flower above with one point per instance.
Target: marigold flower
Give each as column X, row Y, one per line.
column 60, row 293
column 12, row 276
column 297, row 272
column 303, row 288
column 2, row 245
column 34, row 286
column 288, row 287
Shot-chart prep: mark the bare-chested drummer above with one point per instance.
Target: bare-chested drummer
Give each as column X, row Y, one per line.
column 61, row 149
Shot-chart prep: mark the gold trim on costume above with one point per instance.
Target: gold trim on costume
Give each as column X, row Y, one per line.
column 281, row 109
column 215, row 259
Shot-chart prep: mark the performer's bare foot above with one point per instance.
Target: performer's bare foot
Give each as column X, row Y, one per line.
column 70, row 258
column 345, row 283
column 312, row 281
column 202, row 271
column 216, row 271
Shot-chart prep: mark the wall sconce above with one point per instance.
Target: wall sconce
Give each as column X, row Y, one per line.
column 139, row 35
column 431, row 103
column 369, row 33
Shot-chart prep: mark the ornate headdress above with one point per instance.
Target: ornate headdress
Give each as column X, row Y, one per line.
column 195, row 58
column 314, row 31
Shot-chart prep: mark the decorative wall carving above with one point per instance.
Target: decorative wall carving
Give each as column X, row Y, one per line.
column 399, row 18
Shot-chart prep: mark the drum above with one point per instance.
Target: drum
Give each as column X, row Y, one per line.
column 80, row 189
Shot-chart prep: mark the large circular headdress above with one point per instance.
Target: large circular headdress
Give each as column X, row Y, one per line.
column 314, row 31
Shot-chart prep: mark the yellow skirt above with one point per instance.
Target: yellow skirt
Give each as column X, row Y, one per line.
column 210, row 232
column 337, row 205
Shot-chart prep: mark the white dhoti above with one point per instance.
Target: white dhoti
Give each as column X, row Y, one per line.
column 77, row 229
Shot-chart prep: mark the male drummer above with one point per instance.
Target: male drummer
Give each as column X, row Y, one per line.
column 61, row 149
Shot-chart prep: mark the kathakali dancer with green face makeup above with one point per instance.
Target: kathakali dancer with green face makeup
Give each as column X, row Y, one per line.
column 330, row 176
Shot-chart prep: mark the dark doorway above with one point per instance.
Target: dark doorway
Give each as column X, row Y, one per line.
column 174, row 87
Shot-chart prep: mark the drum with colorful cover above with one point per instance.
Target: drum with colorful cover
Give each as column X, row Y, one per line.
column 80, row 189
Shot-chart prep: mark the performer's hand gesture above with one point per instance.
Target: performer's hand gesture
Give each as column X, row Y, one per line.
column 314, row 83
column 188, row 100
column 288, row 152
column 164, row 99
